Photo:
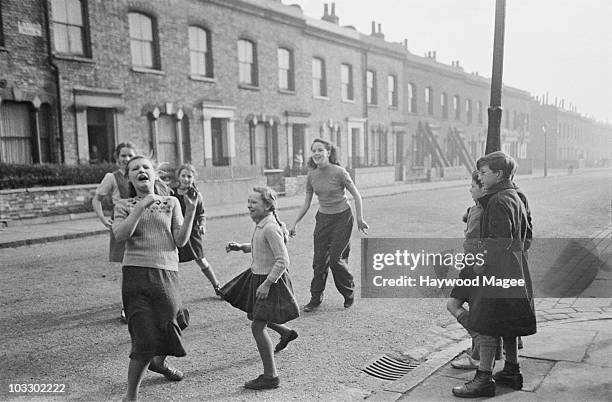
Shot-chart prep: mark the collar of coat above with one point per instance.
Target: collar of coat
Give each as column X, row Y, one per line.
column 502, row 185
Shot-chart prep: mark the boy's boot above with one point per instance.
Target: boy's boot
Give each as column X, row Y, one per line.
column 482, row 385
column 510, row 375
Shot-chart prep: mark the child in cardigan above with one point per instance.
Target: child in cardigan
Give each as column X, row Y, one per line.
column 194, row 250
column 264, row 291
column 152, row 227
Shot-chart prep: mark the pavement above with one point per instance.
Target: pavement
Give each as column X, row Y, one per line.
column 570, row 357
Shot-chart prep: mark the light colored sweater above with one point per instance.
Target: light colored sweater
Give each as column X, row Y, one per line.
column 152, row 243
column 328, row 184
column 268, row 251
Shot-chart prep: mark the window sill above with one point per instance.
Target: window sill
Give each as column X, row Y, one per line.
column 373, row 105
column 348, row 100
column 248, row 87
column 66, row 57
column 393, row 107
column 202, row 78
column 145, row 70
column 286, row 92
column 325, row 98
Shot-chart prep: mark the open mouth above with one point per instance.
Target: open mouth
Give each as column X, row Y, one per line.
column 142, row 177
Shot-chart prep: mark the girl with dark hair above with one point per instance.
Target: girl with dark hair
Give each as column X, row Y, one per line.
column 114, row 186
column 334, row 222
column 264, row 291
column 153, row 227
column 194, row 249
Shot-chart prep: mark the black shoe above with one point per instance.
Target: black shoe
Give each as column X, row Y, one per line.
column 167, row 371
column 482, row 385
column 218, row 292
column 349, row 300
column 284, row 341
column 510, row 375
column 263, row 382
column 312, row 305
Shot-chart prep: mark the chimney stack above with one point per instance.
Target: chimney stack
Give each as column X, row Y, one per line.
column 333, row 18
column 378, row 34
column 373, row 28
column 405, row 43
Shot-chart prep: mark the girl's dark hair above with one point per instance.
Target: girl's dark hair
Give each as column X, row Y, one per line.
column 121, row 145
column 269, row 198
column 333, row 153
column 187, row 166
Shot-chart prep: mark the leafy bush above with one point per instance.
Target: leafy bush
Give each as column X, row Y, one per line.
column 25, row 176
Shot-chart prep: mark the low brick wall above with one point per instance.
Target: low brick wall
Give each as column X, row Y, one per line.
column 218, row 192
column 455, row 172
column 45, row 201
column 294, row 185
column 374, row 176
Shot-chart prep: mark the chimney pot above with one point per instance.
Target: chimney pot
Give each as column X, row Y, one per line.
column 325, row 10
column 379, row 28
column 333, row 9
column 373, row 27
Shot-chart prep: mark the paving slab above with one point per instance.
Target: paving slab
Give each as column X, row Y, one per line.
column 553, row 343
column 576, row 382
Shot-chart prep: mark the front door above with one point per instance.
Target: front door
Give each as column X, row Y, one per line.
column 101, row 135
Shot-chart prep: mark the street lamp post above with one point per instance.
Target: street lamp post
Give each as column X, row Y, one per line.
column 495, row 110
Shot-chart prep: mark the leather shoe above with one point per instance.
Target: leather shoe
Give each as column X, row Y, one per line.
column 284, row 341
column 263, row 382
column 348, row 301
column 464, row 362
column 167, row 371
column 312, row 305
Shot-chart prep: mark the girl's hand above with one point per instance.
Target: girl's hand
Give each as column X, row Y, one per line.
column 233, row 246
column 149, row 200
column 293, row 231
column 192, row 197
column 202, row 229
column 362, row 226
column 263, row 290
column 108, row 222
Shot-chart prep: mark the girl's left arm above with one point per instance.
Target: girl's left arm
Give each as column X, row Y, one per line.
column 275, row 239
column 181, row 229
column 361, row 224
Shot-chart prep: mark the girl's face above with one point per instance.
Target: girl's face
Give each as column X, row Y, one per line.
column 320, row 154
column 186, row 178
column 476, row 190
column 142, row 175
column 257, row 207
column 488, row 177
column 125, row 154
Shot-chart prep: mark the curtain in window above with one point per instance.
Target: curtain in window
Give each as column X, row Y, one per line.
column 16, row 133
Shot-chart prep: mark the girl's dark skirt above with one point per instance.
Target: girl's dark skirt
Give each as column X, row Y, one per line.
column 193, row 250
column 464, row 293
column 279, row 307
column 151, row 300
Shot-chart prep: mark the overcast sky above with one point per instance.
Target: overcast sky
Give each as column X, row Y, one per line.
column 563, row 47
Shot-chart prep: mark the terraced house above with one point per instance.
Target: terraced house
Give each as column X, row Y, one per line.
column 237, row 87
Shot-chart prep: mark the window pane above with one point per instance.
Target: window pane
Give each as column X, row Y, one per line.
column 193, row 38
column 58, row 10
column 60, row 38
column 147, row 54
column 75, row 13
column 283, row 59
column 75, row 39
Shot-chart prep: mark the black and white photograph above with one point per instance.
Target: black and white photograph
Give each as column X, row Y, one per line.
column 305, row 200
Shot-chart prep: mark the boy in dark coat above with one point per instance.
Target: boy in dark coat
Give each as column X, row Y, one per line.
column 501, row 312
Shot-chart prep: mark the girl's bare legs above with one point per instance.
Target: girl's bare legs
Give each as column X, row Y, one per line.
column 264, row 346
column 208, row 272
column 136, row 370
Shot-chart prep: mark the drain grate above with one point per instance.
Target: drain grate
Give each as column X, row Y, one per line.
column 388, row 368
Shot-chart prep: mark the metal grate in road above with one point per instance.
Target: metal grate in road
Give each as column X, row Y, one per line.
column 388, row 368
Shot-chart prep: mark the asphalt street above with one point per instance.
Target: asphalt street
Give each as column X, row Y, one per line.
column 60, row 304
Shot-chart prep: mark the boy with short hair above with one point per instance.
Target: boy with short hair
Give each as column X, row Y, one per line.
column 499, row 312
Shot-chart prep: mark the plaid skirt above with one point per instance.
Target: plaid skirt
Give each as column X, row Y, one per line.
column 279, row 307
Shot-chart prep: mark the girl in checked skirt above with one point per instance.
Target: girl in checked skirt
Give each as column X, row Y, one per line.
column 264, row 291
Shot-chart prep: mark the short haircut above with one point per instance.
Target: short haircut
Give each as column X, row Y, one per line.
column 499, row 161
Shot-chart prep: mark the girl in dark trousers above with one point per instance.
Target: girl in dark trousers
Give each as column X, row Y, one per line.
column 264, row 291
column 194, row 249
column 152, row 227
column 334, row 222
